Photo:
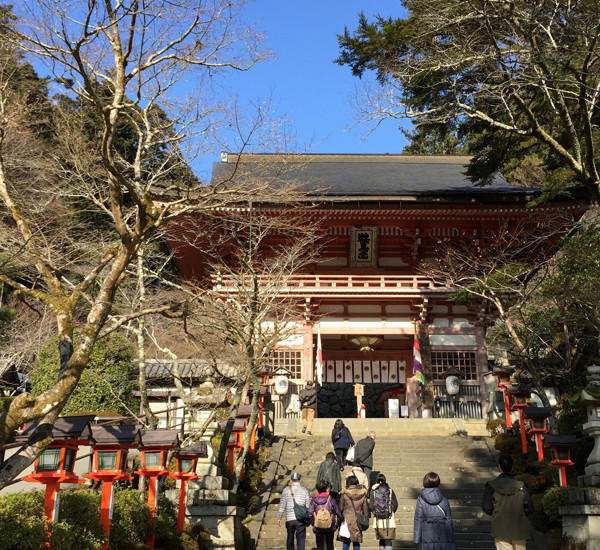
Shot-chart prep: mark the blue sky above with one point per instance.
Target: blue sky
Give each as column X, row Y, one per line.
column 306, row 86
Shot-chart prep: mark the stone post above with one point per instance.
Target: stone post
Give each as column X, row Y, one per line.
column 210, row 503
column 581, row 518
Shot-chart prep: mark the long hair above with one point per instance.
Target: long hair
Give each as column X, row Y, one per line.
column 338, row 424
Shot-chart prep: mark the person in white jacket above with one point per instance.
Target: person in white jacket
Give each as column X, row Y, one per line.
column 294, row 492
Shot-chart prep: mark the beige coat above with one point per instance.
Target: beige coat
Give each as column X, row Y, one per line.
column 360, row 475
column 358, row 496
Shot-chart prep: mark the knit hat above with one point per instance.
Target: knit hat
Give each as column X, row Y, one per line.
column 296, row 476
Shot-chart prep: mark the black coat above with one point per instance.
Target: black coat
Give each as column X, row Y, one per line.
column 433, row 521
column 330, row 471
column 308, row 397
column 363, row 452
column 345, row 441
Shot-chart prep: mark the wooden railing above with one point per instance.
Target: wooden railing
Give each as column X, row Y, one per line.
column 467, row 404
column 341, row 284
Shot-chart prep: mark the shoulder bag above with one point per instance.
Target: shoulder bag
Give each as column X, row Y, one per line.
column 301, row 512
column 362, row 521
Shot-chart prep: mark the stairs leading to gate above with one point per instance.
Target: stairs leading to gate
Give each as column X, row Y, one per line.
column 463, row 462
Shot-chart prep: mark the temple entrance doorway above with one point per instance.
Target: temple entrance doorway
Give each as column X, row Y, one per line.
column 382, row 371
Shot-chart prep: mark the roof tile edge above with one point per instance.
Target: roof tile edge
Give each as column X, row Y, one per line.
column 233, row 158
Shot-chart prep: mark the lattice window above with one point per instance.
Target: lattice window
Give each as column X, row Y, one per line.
column 464, row 361
column 288, row 360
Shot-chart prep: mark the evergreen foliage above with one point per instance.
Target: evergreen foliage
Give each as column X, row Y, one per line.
column 106, row 384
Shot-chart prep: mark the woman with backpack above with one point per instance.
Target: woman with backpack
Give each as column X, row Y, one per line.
column 433, row 520
column 324, row 515
column 342, row 440
column 352, row 504
column 383, row 505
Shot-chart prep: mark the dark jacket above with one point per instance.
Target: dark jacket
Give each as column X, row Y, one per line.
column 363, row 452
column 358, row 496
column 508, row 501
column 329, row 470
column 345, row 441
column 326, row 500
column 308, row 397
column 433, row 521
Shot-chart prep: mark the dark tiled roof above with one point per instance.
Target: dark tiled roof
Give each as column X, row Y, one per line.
column 365, row 175
column 188, row 368
column 200, row 448
column 112, row 435
column 65, row 427
column 161, row 438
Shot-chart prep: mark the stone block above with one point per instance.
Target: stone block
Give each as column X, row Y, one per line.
column 209, row 496
column 209, row 482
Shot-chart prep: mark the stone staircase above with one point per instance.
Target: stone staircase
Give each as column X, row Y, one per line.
column 464, row 462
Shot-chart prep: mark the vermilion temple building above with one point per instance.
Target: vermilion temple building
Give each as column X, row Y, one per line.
column 384, row 217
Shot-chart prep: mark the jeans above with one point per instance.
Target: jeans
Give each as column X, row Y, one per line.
column 385, row 544
column 324, row 540
column 355, row 546
column 295, row 529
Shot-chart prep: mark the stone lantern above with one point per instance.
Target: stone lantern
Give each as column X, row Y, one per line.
column 581, row 518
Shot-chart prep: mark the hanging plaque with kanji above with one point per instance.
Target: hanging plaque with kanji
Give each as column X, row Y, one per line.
column 363, row 246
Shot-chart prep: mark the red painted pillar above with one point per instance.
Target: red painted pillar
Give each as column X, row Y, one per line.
column 152, row 502
column 106, row 508
column 182, row 502
column 51, row 502
column 523, row 434
column 507, row 408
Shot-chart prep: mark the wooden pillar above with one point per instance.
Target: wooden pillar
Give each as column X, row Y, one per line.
column 482, row 366
column 308, row 365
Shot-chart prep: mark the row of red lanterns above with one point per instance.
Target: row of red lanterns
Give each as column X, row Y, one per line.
column 111, row 445
column 516, row 398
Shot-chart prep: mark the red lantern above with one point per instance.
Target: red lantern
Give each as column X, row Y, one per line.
column 111, row 446
column 560, row 450
column 185, row 460
column 504, row 374
column 518, row 397
column 55, row 465
column 156, row 445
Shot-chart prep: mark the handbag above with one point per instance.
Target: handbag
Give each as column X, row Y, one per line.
column 350, row 454
column 300, row 511
column 336, row 436
column 362, row 521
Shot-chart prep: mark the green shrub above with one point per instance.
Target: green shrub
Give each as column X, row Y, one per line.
column 531, row 480
column 551, row 500
column 196, row 537
column 23, row 525
column 131, row 521
column 165, row 526
column 507, row 443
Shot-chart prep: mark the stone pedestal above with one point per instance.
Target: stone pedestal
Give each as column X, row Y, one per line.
column 211, row 504
column 581, row 520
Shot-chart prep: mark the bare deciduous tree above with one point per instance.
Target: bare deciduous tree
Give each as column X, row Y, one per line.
column 121, row 64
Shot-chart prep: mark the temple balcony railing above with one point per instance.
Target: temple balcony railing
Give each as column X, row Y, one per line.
column 467, row 404
column 340, row 285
